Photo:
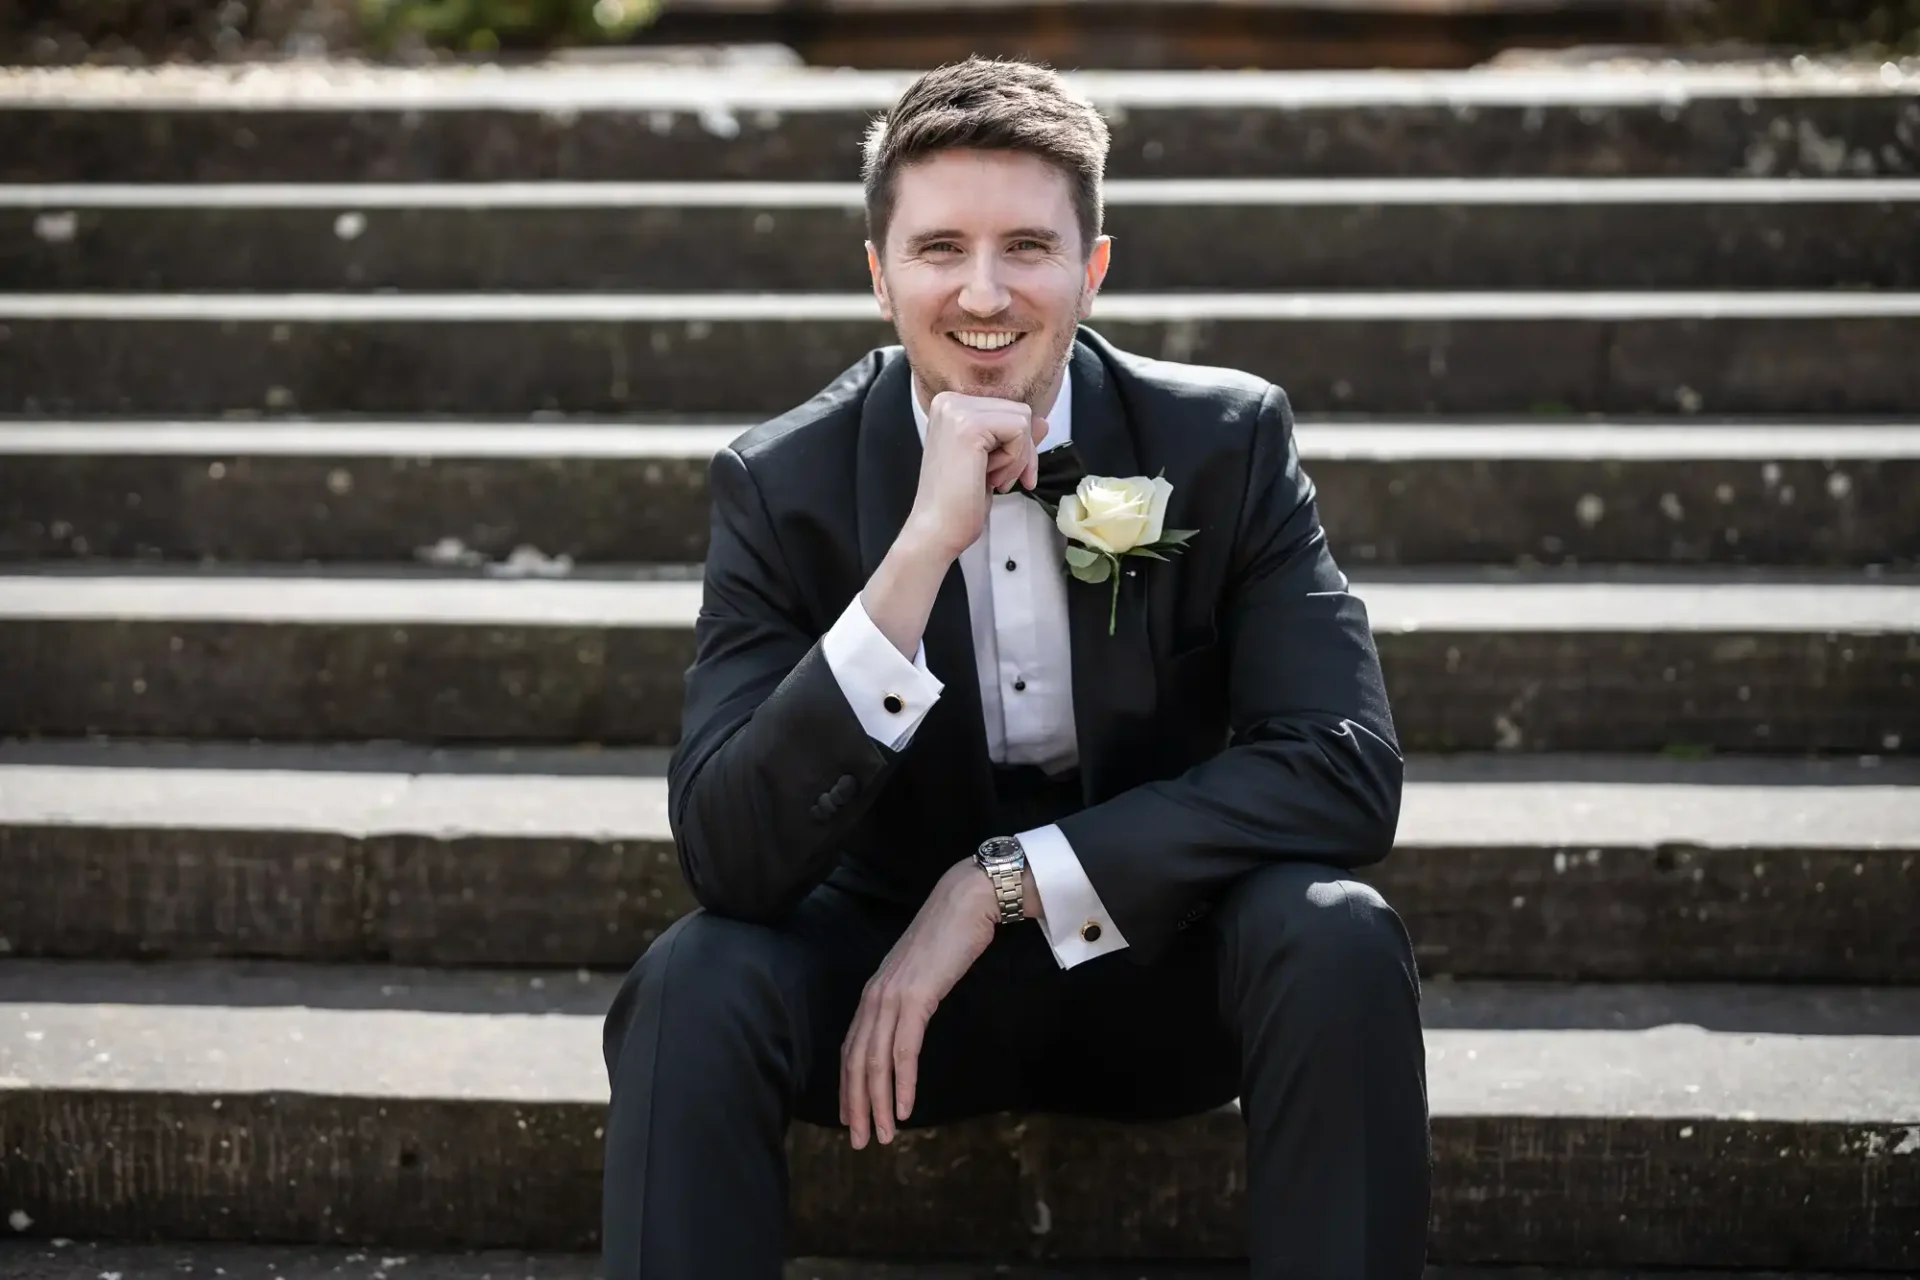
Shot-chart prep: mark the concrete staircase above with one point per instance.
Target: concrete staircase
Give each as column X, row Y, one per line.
column 349, row 542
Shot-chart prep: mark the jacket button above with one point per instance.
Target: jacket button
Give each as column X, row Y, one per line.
column 1090, row 931
column 820, row 812
column 843, row 790
column 894, row 704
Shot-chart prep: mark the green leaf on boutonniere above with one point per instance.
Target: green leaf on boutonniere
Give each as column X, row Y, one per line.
column 1148, row 552
column 1081, row 557
column 1175, row 537
column 1098, row 569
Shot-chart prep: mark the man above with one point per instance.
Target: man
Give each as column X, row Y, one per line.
column 971, row 835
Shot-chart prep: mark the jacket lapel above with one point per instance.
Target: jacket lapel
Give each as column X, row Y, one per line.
column 1113, row 676
column 953, row 738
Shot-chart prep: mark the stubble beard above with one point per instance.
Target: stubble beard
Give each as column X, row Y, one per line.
column 993, row 382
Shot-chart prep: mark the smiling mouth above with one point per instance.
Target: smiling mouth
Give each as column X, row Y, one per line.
column 985, row 342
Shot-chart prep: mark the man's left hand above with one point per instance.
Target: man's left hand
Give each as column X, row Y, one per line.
column 880, row 1059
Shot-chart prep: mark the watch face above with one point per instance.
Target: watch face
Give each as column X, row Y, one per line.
column 1001, row 847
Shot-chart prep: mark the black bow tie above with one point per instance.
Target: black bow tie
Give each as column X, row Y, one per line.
column 1061, row 472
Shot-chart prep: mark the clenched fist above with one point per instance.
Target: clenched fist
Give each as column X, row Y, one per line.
column 976, row 446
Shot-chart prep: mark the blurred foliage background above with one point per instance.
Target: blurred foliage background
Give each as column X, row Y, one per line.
column 487, row 26
column 61, row 31
column 158, row 30
column 1866, row 25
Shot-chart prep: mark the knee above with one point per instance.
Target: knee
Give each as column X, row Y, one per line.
column 1303, row 922
column 706, row 976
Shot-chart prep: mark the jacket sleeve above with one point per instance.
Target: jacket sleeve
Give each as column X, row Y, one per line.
column 773, row 768
column 1311, row 771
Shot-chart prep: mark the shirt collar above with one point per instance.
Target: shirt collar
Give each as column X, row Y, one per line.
column 1059, row 421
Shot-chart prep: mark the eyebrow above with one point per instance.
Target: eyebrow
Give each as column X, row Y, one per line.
column 1045, row 235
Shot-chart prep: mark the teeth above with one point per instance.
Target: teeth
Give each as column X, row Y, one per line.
column 984, row 341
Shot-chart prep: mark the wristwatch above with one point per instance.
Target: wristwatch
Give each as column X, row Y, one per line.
column 1005, row 863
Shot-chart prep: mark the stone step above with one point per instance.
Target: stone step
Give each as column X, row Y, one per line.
column 198, row 1101
column 1474, row 660
column 1547, row 866
column 1433, row 492
column 1836, row 353
column 66, row 1260
column 463, row 124
column 1172, row 234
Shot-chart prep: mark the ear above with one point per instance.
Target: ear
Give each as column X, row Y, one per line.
column 879, row 282
column 1097, row 263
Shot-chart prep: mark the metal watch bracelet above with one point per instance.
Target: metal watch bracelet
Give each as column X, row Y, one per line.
column 1005, row 864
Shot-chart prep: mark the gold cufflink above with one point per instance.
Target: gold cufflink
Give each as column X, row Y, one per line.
column 894, row 704
column 1090, row 931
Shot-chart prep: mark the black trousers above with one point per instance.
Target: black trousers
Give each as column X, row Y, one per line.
column 1297, row 994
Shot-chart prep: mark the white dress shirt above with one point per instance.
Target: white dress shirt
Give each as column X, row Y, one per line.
column 1017, row 598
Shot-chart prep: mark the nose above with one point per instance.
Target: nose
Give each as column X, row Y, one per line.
column 984, row 294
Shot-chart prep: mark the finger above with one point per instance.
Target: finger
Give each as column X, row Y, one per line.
column 879, row 1063
column 999, row 455
column 1004, row 429
column 1005, row 473
column 1040, row 430
column 908, row 1036
column 846, row 1055
column 1005, row 466
column 854, row 1082
column 843, row 1076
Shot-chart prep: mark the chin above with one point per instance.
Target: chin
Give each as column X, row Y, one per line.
column 1000, row 384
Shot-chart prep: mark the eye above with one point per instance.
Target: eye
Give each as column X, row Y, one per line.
column 940, row 246
column 1024, row 246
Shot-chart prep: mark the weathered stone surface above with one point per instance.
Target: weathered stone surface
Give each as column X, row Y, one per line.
column 1529, row 665
column 1613, row 510
column 184, row 892
column 1626, row 691
column 752, row 127
column 502, row 367
column 268, row 508
column 46, row 1260
column 1545, row 867
column 245, row 244
column 1654, row 1129
column 292, row 1166
column 1669, row 912
column 321, row 683
column 461, row 356
column 176, row 891
column 1433, row 494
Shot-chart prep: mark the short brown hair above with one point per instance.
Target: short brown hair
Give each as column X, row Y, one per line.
column 988, row 104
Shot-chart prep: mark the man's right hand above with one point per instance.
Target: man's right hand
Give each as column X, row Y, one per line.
column 976, row 446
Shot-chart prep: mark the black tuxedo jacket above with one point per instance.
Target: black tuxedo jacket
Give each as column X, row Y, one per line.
column 1236, row 718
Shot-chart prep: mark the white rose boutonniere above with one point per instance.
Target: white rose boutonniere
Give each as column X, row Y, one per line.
column 1108, row 517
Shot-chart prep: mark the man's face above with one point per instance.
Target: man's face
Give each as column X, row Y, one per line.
column 983, row 274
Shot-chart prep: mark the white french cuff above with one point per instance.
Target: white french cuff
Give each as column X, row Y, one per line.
column 889, row 695
column 1076, row 922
